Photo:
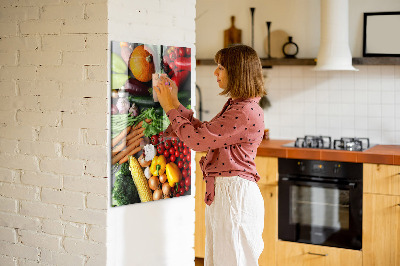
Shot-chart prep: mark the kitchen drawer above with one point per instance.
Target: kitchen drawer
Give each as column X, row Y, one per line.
column 381, row 179
column 298, row 254
column 267, row 168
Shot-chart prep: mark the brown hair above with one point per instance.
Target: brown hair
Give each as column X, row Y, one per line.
column 245, row 78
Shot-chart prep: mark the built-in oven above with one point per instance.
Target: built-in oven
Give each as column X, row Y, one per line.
column 320, row 202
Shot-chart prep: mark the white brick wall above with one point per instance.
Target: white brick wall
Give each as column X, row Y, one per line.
column 53, row 111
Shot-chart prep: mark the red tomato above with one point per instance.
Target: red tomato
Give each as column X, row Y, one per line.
column 167, row 144
column 185, row 165
column 185, row 151
column 160, row 148
column 166, row 153
column 181, row 191
column 182, row 183
column 171, row 151
column 187, row 182
column 184, row 145
column 177, row 154
column 184, row 174
column 188, row 51
column 174, row 141
column 180, row 164
column 172, row 158
column 181, row 52
column 154, row 139
column 182, row 156
column 180, row 144
column 188, row 157
column 181, row 149
column 176, row 147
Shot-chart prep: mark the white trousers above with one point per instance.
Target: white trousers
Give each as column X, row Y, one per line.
column 234, row 223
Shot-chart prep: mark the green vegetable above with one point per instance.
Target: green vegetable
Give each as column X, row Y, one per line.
column 118, row 80
column 124, row 191
column 118, row 65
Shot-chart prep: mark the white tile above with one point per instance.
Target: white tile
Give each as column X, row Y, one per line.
column 375, row 136
column 361, row 123
column 296, row 71
column 334, row 109
column 322, row 121
column 397, row 134
column 322, row 109
column 322, row 96
column 374, row 110
column 374, row 97
column 348, row 123
column 374, row 123
column 347, row 109
column 310, row 95
column 310, row 108
column 361, row 110
column 321, row 83
column 388, row 110
column 335, row 122
column 285, row 83
column 397, row 72
column 335, row 95
column 388, row 97
column 348, row 96
column 388, row 124
column 361, row 97
column 348, row 132
column 388, row 137
column 374, row 83
column 388, row 84
column 297, row 83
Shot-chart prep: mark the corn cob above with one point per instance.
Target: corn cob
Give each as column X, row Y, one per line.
column 140, row 180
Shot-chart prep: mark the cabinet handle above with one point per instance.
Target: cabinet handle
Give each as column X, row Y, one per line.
column 398, row 204
column 318, row 254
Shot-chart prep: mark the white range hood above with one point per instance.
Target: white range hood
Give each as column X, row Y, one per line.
column 334, row 51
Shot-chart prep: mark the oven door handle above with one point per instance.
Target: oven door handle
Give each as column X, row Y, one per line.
column 329, row 184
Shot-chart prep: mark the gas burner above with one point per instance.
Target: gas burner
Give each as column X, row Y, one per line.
column 351, row 144
column 321, row 142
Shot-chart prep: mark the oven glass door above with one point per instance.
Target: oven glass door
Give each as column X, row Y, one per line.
column 319, row 213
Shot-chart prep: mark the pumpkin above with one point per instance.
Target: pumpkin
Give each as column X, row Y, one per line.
column 141, row 64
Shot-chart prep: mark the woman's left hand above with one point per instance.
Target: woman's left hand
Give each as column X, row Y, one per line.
column 163, row 90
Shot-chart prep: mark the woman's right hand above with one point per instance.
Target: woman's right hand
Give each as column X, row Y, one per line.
column 174, row 90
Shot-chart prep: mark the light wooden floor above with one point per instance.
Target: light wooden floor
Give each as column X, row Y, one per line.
column 199, row 262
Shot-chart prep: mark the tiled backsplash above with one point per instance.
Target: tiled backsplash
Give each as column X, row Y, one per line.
column 338, row 104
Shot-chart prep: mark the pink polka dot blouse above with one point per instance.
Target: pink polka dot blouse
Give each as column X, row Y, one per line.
column 231, row 139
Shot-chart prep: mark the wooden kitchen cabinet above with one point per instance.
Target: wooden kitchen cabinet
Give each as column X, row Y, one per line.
column 200, row 207
column 298, row 254
column 381, row 230
column 270, row 233
column 381, row 179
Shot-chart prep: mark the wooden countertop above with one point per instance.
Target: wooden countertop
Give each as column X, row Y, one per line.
column 379, row 154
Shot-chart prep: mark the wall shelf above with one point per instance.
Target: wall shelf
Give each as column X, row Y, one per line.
column 312, row 61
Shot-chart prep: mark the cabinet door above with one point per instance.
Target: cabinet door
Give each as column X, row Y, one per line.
column 267, row 168
column 297, row 254
column 200, row 207
column 381, row 179
column 381, row 230
column 270, row 233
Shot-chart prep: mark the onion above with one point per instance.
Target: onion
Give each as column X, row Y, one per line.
column 166, row 189
column 163, row 178
column 154, row 182
column 157, row 194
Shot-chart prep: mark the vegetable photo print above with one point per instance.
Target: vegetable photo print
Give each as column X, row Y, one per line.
column 146, row 165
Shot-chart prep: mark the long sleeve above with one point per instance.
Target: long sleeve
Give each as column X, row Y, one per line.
column 188, row 114
column 225, row 130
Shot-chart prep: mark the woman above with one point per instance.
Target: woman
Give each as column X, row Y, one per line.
column 235, row 208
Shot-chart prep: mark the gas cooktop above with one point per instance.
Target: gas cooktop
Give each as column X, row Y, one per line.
column 325, row 142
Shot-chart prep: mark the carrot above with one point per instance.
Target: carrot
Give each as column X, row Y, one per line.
column 135, row 138
column 120, row 136
column 134, row 133
column 124, row 152
column 133, row 152
column 119, row 147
